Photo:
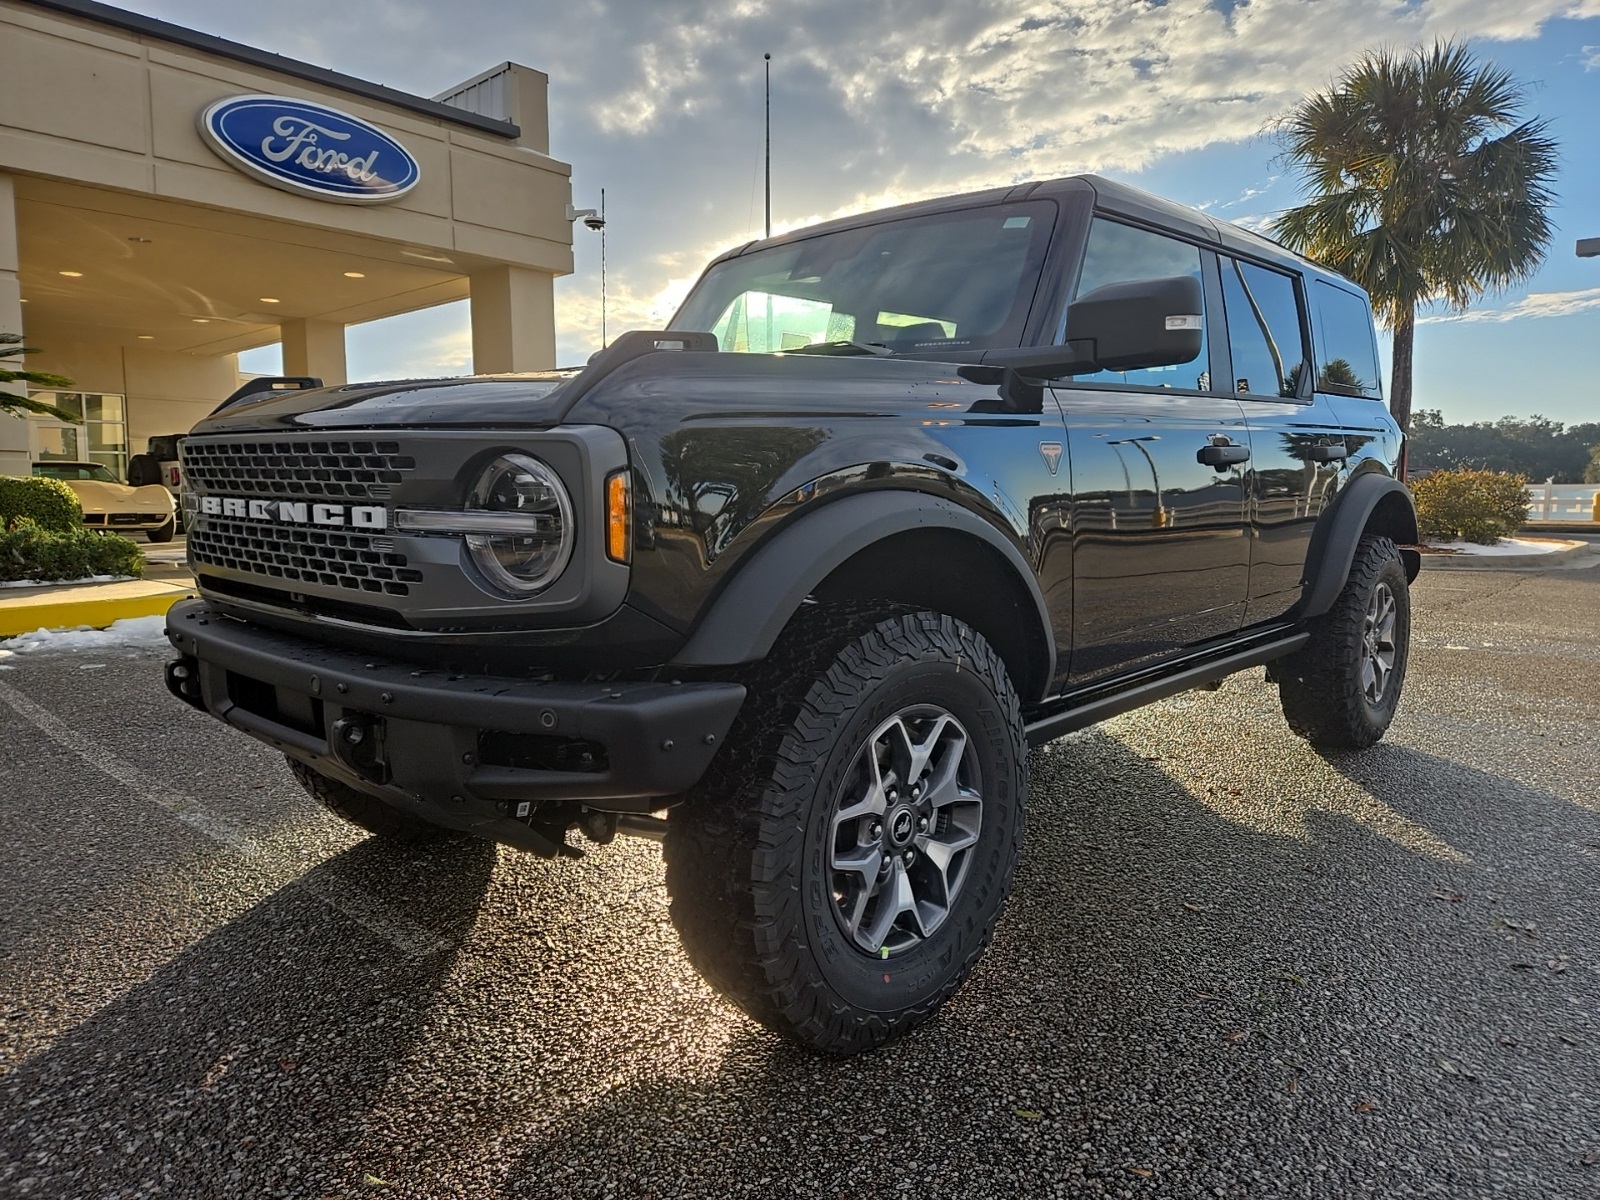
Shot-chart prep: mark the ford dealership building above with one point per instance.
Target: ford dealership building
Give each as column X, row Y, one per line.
column 168, row 199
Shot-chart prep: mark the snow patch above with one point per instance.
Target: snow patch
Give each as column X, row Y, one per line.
column 1508, row 546
column 20, row 583
column 130, row 631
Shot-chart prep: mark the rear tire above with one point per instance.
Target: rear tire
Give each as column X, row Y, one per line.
column 377, row 818
column 1341, row 689
column 841, row 868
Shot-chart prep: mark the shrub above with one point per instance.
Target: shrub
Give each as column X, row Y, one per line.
column 29, row 551
column 48, row 503
column 1475, row 506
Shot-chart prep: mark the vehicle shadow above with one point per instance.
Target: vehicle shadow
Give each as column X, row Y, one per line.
column 1175, row 1001
column 305, row 1004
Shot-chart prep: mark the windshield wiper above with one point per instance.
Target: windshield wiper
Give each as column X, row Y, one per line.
column 840, row 348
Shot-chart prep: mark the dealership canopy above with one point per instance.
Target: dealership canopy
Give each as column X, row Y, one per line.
column 168, row 199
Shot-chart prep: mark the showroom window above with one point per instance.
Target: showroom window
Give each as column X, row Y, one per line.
column 98, row 434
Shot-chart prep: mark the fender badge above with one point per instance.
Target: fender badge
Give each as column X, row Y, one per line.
column 1051, row 453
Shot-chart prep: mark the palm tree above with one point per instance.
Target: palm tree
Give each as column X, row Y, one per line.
column 1425, row 186
column 10, row 402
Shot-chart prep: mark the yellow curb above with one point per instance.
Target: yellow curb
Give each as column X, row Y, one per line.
column 98, row 605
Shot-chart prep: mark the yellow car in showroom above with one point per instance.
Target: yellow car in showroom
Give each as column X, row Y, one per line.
column 108, row 504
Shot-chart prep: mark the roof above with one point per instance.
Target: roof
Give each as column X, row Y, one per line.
column 179, row 35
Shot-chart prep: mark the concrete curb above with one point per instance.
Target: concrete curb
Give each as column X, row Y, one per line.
column 1505, row 562
column 67, row 606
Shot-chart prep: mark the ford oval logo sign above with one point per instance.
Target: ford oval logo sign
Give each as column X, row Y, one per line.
column 309, row 149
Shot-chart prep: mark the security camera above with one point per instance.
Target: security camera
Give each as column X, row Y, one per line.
column 590, row 217
column 595, row 222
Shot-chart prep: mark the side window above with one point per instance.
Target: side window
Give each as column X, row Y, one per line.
column 1122, row 254
column 1265, row 333
column 1347, row 351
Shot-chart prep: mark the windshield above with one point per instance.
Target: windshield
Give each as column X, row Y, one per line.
column 73, row 470
column 952, row 281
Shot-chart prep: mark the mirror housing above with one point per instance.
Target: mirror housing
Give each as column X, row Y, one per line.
column 1120, row 327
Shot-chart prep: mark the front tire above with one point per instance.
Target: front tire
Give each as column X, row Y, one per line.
column 163, row 533
column 842, row 867
column 381, row 820
column 1341, row 689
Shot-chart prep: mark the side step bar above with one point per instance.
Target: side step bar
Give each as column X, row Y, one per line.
column 1070, row 713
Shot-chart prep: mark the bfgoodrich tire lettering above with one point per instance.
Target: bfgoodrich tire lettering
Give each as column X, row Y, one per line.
column 1341, row 690
column 751, row 858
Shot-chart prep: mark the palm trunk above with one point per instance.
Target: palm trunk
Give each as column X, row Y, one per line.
column 1400, row 377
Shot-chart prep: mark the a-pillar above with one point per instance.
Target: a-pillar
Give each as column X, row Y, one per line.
column 513, row 320
column 314, row 348
column 13, row 430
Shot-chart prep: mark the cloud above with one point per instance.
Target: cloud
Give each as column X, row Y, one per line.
column 661, row 101
column 1533, row 305
column 1591, row 58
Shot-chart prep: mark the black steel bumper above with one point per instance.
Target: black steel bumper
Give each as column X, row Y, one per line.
column 467, row 752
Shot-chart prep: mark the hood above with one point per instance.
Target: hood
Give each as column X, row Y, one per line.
column 776, row 384
column 476, row 402
column 95, row 496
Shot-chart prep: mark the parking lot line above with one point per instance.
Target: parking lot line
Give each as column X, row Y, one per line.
column 343, row 897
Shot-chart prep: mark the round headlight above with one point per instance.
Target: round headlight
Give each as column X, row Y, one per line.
column 533, row 541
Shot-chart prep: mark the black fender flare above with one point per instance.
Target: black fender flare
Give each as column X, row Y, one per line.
column 769, row 585
column 1333, row 545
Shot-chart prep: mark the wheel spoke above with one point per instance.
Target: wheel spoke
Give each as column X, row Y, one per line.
column 865, row 861
column 895, row 899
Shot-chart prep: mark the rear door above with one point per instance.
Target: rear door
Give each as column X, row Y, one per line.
column 1159, row 550
column 1297, row 444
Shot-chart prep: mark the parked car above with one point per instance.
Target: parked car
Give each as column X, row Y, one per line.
column 108, row 504
column 794, row 584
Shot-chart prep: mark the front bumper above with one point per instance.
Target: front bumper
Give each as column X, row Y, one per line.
column 476, row 753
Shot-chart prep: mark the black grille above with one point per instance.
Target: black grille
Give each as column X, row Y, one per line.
column 353, row 470
column 347, row 560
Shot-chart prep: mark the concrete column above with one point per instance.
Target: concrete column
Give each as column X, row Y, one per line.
column 513, row 320
column 314, row 348
column 13, row 430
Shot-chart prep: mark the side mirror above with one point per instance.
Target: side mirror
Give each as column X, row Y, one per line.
column 1120, row 327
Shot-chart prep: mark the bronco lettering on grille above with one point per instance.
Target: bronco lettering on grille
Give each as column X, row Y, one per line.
column 298, row 512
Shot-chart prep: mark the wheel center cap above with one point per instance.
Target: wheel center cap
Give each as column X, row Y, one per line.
column 902, row 826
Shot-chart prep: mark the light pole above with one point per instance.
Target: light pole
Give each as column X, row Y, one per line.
column 1159, row 519
column 768, row 60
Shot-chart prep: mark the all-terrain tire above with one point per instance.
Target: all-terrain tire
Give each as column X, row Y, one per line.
column 750, row 867
column 377, row 818
column 1327, row 687
column 144, row 470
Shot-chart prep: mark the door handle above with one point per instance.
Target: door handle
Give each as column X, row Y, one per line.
column 1222, row 451
column 1329, row 452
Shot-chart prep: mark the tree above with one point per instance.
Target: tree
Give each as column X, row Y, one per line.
column 11, row 347
column 1425, row 185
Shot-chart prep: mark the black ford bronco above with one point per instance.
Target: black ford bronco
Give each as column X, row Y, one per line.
column 794, row 584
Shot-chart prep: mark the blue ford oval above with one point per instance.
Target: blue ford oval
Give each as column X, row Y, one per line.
column 310, row 149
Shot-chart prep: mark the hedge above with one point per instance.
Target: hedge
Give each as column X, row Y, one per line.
column 1475, row 506
column 29, row 551
column 48, row 503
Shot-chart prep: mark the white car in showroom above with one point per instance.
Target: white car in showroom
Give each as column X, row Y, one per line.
column 108, row 504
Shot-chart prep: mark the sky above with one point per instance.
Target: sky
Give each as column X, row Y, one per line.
column 879, row 102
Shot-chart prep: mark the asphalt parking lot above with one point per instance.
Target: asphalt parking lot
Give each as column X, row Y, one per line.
column 1231, row 968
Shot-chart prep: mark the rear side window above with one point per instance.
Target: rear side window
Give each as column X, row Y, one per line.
column 1125, row 254
column 1347, row 349
column 1265, row 332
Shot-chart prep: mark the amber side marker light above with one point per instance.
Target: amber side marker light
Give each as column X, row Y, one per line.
column 619, row 505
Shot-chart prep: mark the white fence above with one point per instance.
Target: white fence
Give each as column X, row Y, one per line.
column 1562, row 501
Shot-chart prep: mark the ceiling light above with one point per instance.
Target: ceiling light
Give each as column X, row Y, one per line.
column 355, row 274
column 201, row 320
column 270, row 300
column 147, row 337
column 141, row 240
column 71, row 274
column 24, row 300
